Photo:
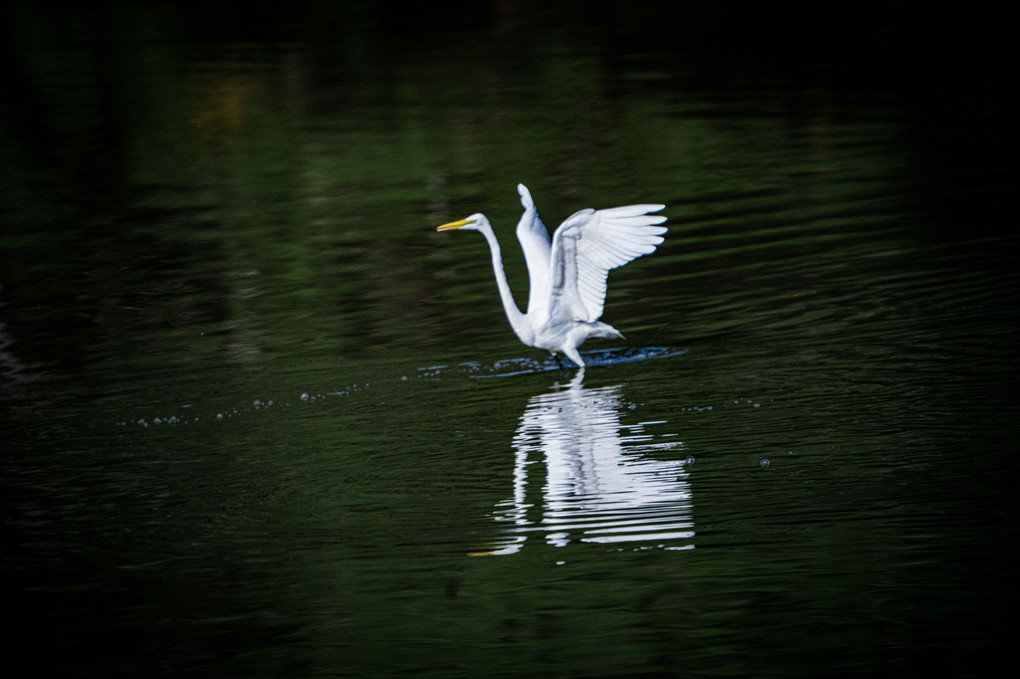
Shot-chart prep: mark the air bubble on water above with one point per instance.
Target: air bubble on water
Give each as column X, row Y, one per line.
column 764, row 463
column 257, row 403
column 157, row 421
column 219, row 416
column 143, row 423
column 304, row 396
column 757, row 405
column 689, row 459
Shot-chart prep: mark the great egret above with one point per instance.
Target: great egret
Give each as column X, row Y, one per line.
column 568, row 273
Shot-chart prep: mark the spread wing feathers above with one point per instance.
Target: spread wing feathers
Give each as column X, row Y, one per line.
column 534, row 238
column 589, row 244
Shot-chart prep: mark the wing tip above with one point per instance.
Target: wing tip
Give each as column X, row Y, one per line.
column 638, row 210
column 526, row 201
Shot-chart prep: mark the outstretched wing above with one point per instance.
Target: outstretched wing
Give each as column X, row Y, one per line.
column 534, row 238
column 588, row 245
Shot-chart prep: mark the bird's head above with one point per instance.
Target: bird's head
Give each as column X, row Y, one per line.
column 475, row 222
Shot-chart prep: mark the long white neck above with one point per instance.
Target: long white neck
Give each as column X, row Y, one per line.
column 518, row 321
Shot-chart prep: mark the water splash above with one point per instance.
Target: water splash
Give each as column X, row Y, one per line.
column 474, row 370
column 601, row 357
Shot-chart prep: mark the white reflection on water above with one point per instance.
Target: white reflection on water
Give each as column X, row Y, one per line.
column 602, row 483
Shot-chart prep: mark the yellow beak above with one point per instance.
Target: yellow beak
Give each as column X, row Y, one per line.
column 454, row 225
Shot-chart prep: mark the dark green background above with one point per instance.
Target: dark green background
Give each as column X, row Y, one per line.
column 243, row 434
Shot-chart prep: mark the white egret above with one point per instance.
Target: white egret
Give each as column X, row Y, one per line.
column 568, row 272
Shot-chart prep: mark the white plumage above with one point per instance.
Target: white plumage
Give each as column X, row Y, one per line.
column 568, row 273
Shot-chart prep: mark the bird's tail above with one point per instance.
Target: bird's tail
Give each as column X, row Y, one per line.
column 605, row 330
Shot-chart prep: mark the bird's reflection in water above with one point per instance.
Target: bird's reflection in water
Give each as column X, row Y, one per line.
column 602, row 482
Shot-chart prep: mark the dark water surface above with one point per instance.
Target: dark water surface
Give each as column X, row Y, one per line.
column 260, row 419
